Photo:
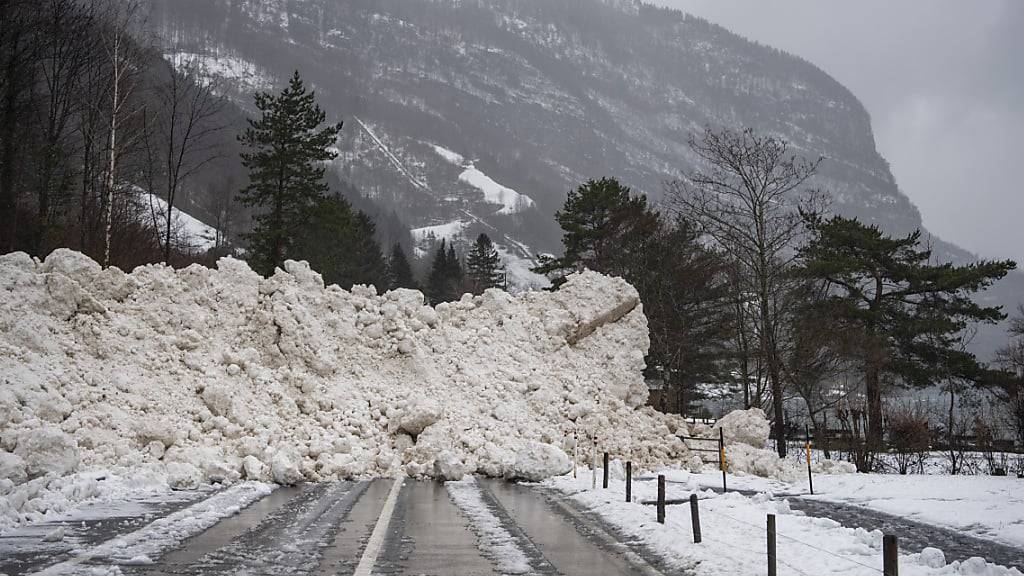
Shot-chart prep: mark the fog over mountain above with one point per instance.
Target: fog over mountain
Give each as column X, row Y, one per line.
column 941, row 80
column 465, row 117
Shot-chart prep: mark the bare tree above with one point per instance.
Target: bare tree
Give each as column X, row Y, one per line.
column 124, row 54
column 1011, row 390
column 744, row 193
column 180, row 137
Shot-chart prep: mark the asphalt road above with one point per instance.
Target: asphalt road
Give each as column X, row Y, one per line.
column 385, row 527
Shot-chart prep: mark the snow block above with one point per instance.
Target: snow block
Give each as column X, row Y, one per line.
column 537, row 461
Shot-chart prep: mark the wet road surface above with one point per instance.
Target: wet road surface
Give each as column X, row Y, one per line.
column 363, row 528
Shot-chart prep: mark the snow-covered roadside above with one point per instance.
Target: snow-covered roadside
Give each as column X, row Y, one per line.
column 988, row 507
column 733, row 530
column 153, row 540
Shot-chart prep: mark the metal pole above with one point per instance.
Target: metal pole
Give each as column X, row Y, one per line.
column 575, row 449
column 695, row 518
column 661, row 498
column 721, row 456
column 772, row 568
column 604, row 480
column 629, row 481
column 890, row 555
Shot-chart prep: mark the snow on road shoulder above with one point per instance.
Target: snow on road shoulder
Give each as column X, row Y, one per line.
column 150, row 542
column 733, row 530
column 493, row 540
column 989, row 507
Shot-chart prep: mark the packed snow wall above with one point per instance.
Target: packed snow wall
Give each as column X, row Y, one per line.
column 219, row 374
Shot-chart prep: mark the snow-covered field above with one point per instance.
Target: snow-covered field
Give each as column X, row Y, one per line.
column 733, row 526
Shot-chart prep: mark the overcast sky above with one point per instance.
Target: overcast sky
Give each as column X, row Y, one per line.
column 944, row 83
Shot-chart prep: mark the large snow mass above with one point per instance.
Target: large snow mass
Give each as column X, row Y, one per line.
column 219, row 374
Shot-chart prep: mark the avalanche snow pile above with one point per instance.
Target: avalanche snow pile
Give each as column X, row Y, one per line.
column 219, row 374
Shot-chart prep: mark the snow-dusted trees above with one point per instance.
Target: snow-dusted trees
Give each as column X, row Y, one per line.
column 1010, row 389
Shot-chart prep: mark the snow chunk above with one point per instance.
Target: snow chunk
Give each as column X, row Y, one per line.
column 748, row 427
column 13, row 468
column 932, row 558
column 537, row 461
column 285, row 467
column 47, row 450
column 419, row 413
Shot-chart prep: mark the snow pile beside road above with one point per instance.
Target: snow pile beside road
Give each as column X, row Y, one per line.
column 219, row 374
column 746, row 435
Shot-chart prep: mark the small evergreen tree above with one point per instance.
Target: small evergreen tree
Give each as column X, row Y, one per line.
column 604, row 227
column 907, row 311
column 482, row 265
column 339, row 244
column 445, row 281
column 285, row 153
column 399, row 272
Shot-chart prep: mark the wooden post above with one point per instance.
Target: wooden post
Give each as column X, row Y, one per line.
column 810, row 477
column 695, row 518
column 890, row 555
column 661, row 498
column 604, row 481
column 721, row 456
column 629, row 481
column 772, row 568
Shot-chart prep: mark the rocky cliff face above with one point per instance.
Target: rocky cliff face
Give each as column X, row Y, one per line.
column 470, row 116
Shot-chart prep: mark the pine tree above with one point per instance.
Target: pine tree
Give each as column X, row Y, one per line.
column 286, row 149
column 339, row 243
column 907, row 311
column 482, row 265
column 446, row 279
column 399, row 272
column 604, row 227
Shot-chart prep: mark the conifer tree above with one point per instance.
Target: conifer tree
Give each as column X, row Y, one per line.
column 482, row 265
column 339, row 243
column 399, row 272
column 907, row 311
column 286, row 149
column 604, row 227
column 445, row 281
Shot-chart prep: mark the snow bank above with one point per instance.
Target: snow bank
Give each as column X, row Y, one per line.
column 748, row 427
column 221, row 375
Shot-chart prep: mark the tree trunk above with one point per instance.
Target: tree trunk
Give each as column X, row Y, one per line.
column 873, row 391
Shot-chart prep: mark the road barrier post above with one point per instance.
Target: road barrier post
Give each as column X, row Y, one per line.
column 604, row 481
column 772, row 568
column 890, row 555
column 695, row 518
column 629, row 481
column 810, row 477
column 661, row 498
column 721, row 456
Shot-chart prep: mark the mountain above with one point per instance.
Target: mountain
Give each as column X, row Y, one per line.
column 465, row 116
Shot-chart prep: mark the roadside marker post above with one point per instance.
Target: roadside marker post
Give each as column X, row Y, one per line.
column 695, row 518
column 629, row 481
column 772, row 568
column 593, row 464
column 810, row 477
column 890, row 555
column 604, row 479
column 661, row 498
column 721, row 456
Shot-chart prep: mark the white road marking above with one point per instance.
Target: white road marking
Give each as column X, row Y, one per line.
column 372, row 550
